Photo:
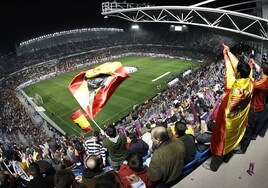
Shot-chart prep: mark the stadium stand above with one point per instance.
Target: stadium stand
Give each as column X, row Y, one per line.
column 29, row 137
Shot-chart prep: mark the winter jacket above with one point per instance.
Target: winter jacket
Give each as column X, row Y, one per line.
column 116, row 147
column 167, row 162
column 126, row 171
column 139, row 147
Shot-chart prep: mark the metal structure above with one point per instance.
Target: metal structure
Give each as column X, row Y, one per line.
column 235, row 22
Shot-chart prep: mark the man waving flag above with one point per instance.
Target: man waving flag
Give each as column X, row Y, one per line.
column 93, row 88
column 231, row 120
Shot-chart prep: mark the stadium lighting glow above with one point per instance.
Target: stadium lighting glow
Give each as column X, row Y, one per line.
column 68, row 32
column 135, row 27
column 178, row 28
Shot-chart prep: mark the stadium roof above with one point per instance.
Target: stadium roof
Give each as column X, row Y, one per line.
column 247, row 6
column 27, row 19
column 217, row 18
column 64, row 37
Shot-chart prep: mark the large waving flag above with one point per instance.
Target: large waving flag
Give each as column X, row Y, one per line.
column 81, row 120
column 93, row 88
column 233, row 111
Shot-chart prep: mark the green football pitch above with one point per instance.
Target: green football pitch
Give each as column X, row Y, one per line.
column 140, row 86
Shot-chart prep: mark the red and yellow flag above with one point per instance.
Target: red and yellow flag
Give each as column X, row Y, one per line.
column 93, row 88
column 231, row 120
column 81, row 120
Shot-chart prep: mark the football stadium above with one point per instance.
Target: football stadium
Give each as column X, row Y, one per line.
column 134, row 94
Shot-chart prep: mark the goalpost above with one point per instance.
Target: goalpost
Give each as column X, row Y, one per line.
column 38, row 100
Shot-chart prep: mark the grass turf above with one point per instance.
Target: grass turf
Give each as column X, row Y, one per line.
column 139, row 87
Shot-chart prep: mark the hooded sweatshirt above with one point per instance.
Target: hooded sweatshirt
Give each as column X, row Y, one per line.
column 116, row 147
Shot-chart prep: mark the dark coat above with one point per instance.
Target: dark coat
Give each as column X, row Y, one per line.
column 41, row 182
column 139, row 147
column 167, row 162
column 190, row 148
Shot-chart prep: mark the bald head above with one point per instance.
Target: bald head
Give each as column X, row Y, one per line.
column 94, row 163
column 160, row 133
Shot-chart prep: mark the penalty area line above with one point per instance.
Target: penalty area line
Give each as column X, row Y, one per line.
column 160, row 76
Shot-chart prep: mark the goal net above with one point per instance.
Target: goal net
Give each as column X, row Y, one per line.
column 38, row 99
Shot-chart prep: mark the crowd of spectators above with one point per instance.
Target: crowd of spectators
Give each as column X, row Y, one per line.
column 191, row 102
column 198, row 40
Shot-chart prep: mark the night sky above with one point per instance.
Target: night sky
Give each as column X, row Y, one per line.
column 21, row 20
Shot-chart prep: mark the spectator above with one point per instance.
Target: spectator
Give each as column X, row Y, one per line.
column 137, row 146
column 65, row 179
column 229, row 129
column 116, row 145
column 38, row 180
column 108, row 179
column 8, row 181
column 265, row 127
column 79, row 156
column 168, row 158
column 133, row 166
column 94, row 146
column 146, row 136
column 46, row 168
column 187, row 139
column 257, row 113
column 93, row 168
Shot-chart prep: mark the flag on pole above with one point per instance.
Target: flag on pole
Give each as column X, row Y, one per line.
column 80, row 118
column 93, row 88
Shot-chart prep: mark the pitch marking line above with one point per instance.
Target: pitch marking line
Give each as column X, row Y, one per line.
column 63, row 122
column 160, row 76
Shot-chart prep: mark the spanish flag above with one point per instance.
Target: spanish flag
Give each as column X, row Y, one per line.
column 231, row 120
column 81, row 120
column 93, row 88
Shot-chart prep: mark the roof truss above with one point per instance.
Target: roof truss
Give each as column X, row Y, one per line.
column 207, row 17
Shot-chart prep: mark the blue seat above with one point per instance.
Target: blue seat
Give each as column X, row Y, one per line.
column 202, row 156
column 189, row 167
column 76, row 172
column 107, row 168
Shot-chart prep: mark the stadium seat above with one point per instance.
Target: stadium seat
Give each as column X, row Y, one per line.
column 202, row 156
column 107, row 168
column 76, row 172
column 189, row 167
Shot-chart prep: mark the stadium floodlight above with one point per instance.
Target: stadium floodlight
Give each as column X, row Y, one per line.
column 178, row 28
column 135, row 27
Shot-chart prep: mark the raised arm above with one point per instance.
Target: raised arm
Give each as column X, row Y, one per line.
column 230, row 65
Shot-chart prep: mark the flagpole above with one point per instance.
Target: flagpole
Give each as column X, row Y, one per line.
column 101, row 130
column 96, row 124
